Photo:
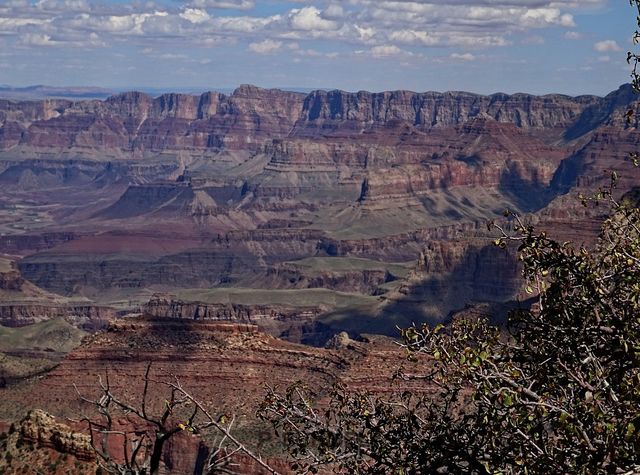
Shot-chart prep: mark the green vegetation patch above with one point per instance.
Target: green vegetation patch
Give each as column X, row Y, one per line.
column 290, row 297
column 347, row 264
column 5, row 265
column 52, row 335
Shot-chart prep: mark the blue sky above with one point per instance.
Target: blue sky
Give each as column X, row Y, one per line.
column 484, row 46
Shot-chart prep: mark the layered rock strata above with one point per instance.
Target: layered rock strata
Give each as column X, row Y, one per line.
column 216, row 190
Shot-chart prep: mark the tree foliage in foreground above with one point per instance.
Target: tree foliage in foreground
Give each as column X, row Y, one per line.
column 557, row 392
column 632, row 57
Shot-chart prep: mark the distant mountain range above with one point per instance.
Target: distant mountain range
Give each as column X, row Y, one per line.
column 41, row 91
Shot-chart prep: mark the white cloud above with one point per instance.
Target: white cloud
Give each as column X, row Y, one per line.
column 606, row 46
column 37, row 39
column 66, row 5
column 333, row 12
column 267, row 46
column 364, row 34
column 377, row 27
column 573, row 35
column 8, row 24
column 132, row 24
column 538, row 17
column 384, row 51
column 415, row 37
column 310, row 19
column 463, row 56
column 228, row 4
column 243, row 24
column 195, row 15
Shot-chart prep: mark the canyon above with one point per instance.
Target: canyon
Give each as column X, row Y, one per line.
column 114, row 200
column 229, row 238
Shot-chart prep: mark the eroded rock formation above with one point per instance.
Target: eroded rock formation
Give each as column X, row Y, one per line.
column 237, row 190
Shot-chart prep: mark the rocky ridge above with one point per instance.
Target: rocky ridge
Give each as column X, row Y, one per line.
column 40, row 444
column 225, row 365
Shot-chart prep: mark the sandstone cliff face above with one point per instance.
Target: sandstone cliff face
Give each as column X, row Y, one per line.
column 40, row 444
column 135, row 121
column 19, row 314
column 161, row 306
column 231, row 258
column 224, row 365
column 365, row 282
column 248, row 117
column 611, row 110
column 41, row 430
column 451, row 274
column 252, row 180
column 325, row 110
column 11, row 280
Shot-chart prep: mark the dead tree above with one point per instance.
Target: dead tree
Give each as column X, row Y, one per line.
column 142, row 447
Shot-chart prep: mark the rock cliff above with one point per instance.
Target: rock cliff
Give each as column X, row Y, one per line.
column 365, row 110
column 135, row 121
column 40, row 444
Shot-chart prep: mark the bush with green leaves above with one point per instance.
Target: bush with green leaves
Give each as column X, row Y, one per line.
column 556, row 391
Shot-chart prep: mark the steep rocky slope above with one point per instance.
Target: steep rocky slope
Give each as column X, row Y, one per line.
column 22, row 303
column 40, row 444
column 224, row 365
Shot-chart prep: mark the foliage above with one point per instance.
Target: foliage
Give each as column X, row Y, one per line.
column 634, row 58
column 557, row 392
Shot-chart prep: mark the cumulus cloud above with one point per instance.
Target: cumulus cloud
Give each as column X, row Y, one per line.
column 310, row 19
column 195, row 15
column 370, row 25
column 267, row 46
column 37, row 39
column 607, row 46
column 10, row 25
column 415, row 37
column 573, row 35
column 333, row 11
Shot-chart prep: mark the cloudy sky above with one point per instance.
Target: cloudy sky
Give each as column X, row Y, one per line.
column 485, row 46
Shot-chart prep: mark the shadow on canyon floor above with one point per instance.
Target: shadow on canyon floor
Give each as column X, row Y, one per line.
column 485, row 275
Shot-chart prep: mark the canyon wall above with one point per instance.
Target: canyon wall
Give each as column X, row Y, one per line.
column 134, row 121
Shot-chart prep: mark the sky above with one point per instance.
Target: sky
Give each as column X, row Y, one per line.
column 483, row 46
